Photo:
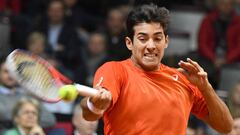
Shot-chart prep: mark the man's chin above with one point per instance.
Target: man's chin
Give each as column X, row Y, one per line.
column 150, row 66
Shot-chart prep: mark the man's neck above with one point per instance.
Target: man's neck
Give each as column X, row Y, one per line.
column 225, row 17
column 144, row 68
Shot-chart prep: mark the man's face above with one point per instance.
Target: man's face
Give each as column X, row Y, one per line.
column 37, row 47
column 96, row 44
column 225, row 6
column 70, row 3
column 5, row 77
column 148, row 45
column 115, row 22
column 56, row 12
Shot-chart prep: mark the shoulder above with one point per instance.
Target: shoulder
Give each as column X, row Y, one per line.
column 13, row 131
column 210, row 17
column 235, row 19
column 112, row 70
column 179, row 72
column 114, row 65
column 169, row 70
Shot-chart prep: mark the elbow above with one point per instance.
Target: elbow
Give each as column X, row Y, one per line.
column 226, row 128
column 224, row 125
column 229, row 127
column 90, row 116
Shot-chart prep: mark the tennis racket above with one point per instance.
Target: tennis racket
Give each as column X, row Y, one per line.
column 39, row 77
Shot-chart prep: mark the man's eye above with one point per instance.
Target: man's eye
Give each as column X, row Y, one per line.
column 142, row 39
column 158, row 39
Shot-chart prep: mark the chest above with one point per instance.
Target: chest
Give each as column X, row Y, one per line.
column 160, row 93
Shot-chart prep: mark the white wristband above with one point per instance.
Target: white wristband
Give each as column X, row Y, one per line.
column 93, row 109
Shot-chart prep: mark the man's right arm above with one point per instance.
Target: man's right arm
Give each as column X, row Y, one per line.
column 94, row 107
column 108, row 81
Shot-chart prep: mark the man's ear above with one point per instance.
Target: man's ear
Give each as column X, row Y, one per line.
column 129, row 43
column 167, row 41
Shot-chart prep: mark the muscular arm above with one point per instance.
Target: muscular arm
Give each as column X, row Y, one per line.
column 101, row 101
column 87, row 114
column 107, row 80
column 218, row 116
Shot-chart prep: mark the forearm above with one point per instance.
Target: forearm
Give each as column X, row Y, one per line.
column 219, row 116
column 87, row 114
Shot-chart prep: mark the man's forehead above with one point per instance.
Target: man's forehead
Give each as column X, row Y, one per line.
column 141, row 28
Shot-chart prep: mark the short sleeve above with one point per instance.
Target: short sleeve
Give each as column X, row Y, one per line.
column 199, row 107
column 110, row 76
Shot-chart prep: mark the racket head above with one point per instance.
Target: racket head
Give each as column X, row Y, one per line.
column 35, row 75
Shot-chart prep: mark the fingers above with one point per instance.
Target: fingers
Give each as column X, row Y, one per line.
column 191, row 66
column 188, row 67
column 200, row 72
column 36, row 130
column 203, row 74
column 103, row 98
column 195, row 64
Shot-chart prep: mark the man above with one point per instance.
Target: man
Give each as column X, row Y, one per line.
column 115, row 34
column 61, row 37
column 142, row 96
column 218, row 39
column 96, row 54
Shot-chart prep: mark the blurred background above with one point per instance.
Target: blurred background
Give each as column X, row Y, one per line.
column 78, row 36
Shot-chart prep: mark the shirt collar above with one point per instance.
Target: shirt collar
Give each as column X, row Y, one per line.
column 21, row 131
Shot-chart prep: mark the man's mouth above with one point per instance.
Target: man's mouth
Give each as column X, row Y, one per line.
column 150, row 54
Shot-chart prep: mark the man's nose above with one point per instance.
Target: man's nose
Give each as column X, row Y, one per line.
column 151, row 45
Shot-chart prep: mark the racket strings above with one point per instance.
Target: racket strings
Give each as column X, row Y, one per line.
column 36, row 77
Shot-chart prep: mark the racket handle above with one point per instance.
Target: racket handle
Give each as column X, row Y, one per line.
column 85, row 90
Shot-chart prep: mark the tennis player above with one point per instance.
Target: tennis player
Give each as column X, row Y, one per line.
column 141, row 96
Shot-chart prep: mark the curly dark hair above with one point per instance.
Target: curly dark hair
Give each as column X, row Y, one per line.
column 147, row 13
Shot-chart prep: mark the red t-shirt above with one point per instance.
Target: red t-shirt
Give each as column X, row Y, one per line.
column 148, row 103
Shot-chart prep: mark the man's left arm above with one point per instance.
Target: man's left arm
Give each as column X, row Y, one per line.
column 218, row 116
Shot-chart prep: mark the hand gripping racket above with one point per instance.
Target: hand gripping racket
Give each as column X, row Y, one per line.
column 40, row 78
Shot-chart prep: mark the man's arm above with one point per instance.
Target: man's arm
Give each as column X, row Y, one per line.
column 94, row 107
column 218, row 116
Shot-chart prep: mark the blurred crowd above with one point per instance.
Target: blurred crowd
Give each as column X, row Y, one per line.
column 78, row 36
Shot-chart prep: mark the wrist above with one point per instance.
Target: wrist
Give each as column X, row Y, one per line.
column 205, row 88
column 93, row 109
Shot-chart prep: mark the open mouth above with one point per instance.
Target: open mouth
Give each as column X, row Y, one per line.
column 150, row 54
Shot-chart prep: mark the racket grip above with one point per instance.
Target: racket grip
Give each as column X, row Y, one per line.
column 85, row 90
